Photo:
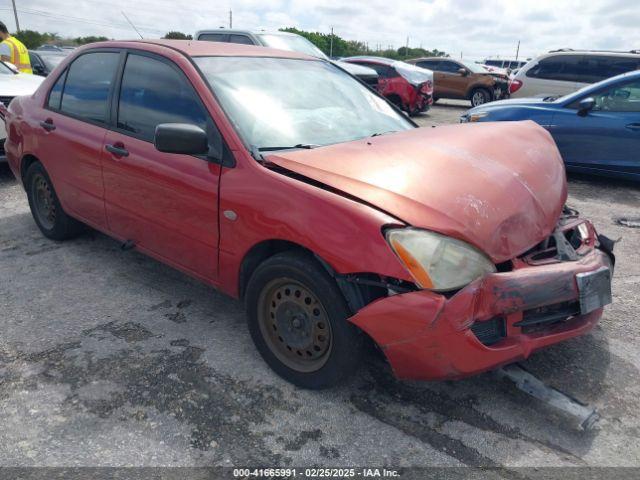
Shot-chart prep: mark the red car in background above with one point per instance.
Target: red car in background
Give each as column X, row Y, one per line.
column 281, row 180
column 407, row 86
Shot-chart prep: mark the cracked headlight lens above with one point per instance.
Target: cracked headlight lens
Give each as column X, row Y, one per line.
column 438, row 262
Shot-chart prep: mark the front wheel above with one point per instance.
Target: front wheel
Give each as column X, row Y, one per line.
column 298, row 321
column 480, row 96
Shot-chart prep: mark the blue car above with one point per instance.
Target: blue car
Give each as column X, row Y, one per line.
column 597, row 128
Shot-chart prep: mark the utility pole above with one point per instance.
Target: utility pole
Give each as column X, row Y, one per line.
column 15, row 13
column 230, row 19
column 406, row 50
column 331, row 44
column 518, row 50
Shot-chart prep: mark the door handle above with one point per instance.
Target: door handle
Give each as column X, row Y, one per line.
column 48, row 125
column 633, row 126
column 118, row 150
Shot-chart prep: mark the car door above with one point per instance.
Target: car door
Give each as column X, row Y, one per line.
column 448, row 81
column 165, row 204
column 608, row 137
column 71, row 131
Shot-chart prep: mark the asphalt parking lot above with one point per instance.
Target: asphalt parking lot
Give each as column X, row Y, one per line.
column 109, row 358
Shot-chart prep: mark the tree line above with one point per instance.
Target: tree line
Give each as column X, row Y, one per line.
column 33, row 39
column 349, row 48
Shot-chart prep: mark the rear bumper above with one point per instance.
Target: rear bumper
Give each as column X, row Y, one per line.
column 426, row 336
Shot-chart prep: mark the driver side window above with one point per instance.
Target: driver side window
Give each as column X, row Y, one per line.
column 621, row 98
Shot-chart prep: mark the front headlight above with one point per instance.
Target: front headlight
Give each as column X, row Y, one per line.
column 476, row 117
column 438, row 262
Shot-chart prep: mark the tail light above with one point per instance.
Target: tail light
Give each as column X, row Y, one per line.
column 515, row 85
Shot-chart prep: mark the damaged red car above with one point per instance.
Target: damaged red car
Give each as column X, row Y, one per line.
column 408, row 87
column 283, row 181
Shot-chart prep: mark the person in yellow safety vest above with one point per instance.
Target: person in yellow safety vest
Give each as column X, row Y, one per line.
column 13, row 50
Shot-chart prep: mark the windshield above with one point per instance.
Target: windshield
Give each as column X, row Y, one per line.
column 474, row 67
column 52, row 61
column 4, row 70
column 292, row 43
column 280, row 102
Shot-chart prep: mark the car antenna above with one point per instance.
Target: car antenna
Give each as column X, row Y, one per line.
column 131, row 23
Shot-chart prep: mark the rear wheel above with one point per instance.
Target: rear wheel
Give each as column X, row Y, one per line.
column 47, row 212
column 298, row 321
column 480, row 96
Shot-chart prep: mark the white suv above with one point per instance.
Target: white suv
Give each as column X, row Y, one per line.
column 562, row 72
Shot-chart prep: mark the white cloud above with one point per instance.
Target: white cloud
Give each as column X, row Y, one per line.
column 477, row 28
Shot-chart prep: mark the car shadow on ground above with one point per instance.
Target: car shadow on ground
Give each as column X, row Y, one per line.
column 6, row 175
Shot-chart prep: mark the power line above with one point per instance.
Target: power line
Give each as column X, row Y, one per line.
column 88, row 21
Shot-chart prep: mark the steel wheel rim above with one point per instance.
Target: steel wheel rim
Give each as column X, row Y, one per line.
column 44, row 204
column 295, row 325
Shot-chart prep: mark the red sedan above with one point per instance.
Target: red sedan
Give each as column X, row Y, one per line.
column 281, row 180
column 408, row 87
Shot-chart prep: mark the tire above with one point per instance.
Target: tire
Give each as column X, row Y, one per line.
column 297, row 318
column 480, row 96
column 45, row 207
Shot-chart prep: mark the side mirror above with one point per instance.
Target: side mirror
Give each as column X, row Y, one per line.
column 463, row 71
column 585, row 106
column 181, row 138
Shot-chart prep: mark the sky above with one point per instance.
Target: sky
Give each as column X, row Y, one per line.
column 474, row 29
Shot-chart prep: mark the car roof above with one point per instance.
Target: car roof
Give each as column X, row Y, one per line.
column 197, row 48
column 607, row 53
column 435, row 58
column 383, row 60
column 256, row 31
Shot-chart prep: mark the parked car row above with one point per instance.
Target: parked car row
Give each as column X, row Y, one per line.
column 283, row 181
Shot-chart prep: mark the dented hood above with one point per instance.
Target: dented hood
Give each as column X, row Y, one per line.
column 498, row 186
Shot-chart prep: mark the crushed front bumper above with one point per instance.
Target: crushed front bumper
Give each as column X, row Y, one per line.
column 427, row 336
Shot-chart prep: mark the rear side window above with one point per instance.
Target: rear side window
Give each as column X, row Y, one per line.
column 596, row 68
column 55, row 95
column 86, row 91
column 169, row 98
column 240, row 39
column 560, row 67
column 214, row 37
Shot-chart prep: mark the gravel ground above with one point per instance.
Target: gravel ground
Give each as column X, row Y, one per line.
column 109, row 358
